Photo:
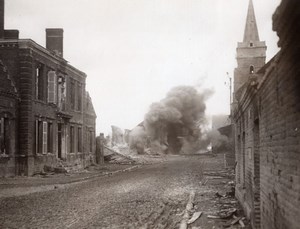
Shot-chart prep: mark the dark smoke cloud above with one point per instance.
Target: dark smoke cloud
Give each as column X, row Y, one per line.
column 176, row 123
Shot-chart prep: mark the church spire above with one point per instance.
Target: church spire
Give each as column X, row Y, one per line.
column 251, row 31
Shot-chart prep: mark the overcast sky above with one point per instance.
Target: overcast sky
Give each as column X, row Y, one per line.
column 135, row 51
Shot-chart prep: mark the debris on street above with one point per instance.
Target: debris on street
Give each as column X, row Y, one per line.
column 195, row 216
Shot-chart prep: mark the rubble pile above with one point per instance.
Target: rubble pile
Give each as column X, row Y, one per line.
column 217, row 201
column 123, row 155
column 62, row 167
column 114, row 156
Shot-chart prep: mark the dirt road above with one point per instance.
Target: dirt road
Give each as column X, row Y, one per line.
column 152, row 196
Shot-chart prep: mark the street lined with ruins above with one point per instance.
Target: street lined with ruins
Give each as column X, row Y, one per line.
column 152, row 196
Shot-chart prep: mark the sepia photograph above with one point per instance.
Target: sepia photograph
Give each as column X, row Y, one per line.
column 150, row 114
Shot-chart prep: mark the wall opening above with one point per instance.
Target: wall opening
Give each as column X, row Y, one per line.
column 251, row 69
column 72, row 139
column 79, row 134
column 61, row 140
column 50, row 137
column 39, row 82
column 4, row 136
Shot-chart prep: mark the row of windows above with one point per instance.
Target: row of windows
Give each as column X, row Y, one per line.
column 56, row 88
column 44, row 138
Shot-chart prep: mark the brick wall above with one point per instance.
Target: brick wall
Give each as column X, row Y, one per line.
column 22, row 59
column 247, row 155
column 279, row 99
column 8, row 108
column 280, row 145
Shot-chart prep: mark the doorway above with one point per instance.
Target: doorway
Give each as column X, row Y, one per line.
column 61, row 141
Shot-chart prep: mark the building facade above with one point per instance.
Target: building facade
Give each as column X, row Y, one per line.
column 47, row 117
column 266, row 116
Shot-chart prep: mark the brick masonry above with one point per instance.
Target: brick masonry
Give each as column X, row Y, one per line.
column 24, row 97
column 267, row 124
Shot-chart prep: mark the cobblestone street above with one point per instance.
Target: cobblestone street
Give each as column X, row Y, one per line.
column 152, row 196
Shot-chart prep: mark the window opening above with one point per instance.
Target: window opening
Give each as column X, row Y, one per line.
column 79, row 97
column 73, row 95
column 79, row 139
column 4, row 135
column 39, row 82
column 52, row 87
column 50, row 137
column 72, row 140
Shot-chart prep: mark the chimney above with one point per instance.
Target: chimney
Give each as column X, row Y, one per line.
column 1, row 19
column 54, row 40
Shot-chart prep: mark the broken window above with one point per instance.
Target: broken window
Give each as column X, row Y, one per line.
column 251, row 69
column 39, row 82
column 79, row 134
column 52, row 87
column 4, row 135
column 72, row 139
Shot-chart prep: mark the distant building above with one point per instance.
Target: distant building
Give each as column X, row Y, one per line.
column 218, row 121
column 223, row 141
column 46, row 115
column 266, row 116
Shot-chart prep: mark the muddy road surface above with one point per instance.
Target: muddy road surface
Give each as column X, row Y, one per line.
column 152, row 196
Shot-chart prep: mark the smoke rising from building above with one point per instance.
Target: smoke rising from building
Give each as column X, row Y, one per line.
column 176, row 124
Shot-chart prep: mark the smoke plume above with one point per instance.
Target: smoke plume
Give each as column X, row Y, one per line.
column 176, row 123
column 219, row 141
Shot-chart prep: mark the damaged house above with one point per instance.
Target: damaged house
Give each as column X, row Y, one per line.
column 266, row 116
column 46, row 115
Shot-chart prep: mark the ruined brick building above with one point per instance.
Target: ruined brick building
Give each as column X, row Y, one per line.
column 46, row 115
column 266, row 116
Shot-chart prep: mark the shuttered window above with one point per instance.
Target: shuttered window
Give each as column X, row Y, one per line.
column 45, row 140
column 52, row 87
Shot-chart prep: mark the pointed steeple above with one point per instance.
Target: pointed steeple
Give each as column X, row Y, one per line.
column 251, row 31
